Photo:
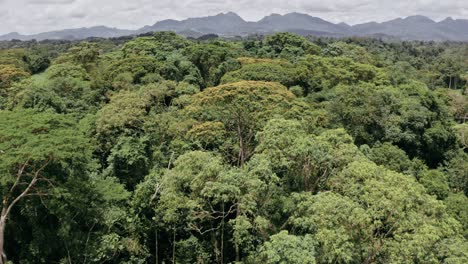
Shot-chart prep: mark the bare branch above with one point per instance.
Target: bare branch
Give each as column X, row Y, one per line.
column 28, row 189
column 157, row 189
column 19, row 174
column 195, row 228
column 46, row 180
column 87, row 241
column 37, row 194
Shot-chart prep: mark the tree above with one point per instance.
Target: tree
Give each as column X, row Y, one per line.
column 211, row 60
column 352, row 51
column 136, row 67
column 271, row 71
column 394, row 158
column 159, row 45
column 319, row 73
column 10, row 74
column 284, row 248
column 338, row 225
column 305, row 162
column 409, row 116
column 243, row 108
column 64, row 88
column 458, row 103
column 456, row 170
column 283, row 44
column 69, row 70
column 82, row 54
column 32, row 164
column 457, row 207
column 401, row 73
column 462, row 133
column 435, row 183
column 190, row 198
column 178, row 68
column 407, row 224
column 451, row 66
column 201, row 197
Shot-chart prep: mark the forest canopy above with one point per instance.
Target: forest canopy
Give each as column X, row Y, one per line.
column 277, row 149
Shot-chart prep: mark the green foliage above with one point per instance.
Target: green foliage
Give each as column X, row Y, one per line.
column 273, row 71
column 158, row 45
column 352, row 51
column 388, row 199
column 27, row 135
column 45, row 151
column 135, row 67
column 10, row 74
column 337, row 223
column 67, row 70
column 288, row 45
column 212, row 60
column 305, row 161
column 456, row 169
column 435, row 183
column 276, row 149
column 243, row 108
column 457, row 207
column 284, row 248
column 64, row 88
column 410, row 117
column 393, row 158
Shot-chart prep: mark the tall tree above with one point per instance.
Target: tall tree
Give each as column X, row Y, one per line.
column 38, row 152
column 242, row 108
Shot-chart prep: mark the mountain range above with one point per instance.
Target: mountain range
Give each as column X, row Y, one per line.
column 230, row 24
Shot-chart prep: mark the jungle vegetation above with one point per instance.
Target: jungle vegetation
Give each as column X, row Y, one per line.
column 277, row 149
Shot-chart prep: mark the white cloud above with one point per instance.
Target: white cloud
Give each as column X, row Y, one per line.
column 33, row 16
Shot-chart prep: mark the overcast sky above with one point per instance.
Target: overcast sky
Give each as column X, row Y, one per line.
column 33, row 16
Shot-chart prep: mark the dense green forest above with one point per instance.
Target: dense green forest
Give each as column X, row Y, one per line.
column 277, row 149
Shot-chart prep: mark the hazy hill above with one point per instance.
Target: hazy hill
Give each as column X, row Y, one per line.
column 77, row 33
column 417, row 27
column 231, row 24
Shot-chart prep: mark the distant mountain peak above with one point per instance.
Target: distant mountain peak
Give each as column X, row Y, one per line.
column 274, row 15
column 296, row 14
column 419, row 18
column 447, row 20
column 13, row 34
column 344, row 24
column 231, row 14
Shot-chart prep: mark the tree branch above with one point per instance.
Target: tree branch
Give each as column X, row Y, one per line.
column 27, row 190
column 19, row 174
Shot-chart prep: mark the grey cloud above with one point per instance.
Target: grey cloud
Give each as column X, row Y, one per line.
column 51, row 2
column 78, row 15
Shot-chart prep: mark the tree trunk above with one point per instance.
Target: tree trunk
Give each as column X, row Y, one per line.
column 3, row 218
column 156, row 250
column 241, row 146
column 7, row 205
column 222, row 237
column 237, row 245
column 216, row 251
column 3, row 258
column 173, row 248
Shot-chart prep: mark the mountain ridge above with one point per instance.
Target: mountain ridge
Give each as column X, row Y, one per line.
column 415, row 27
